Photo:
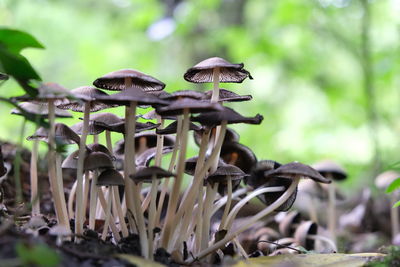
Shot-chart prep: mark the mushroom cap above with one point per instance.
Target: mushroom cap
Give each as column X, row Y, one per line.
column 202, row 72
column 93, row 129
column 184, row 93
column 227, row 96
column 329, row 168
column 173, row 127
column 306, row 228
column 106, row 118
column 221, row 176
column 239, row 155
column 84, row 93
column 152, row 115
column 120, row 126
column 40, row 109
column 190, row 164
column 110, row 177
column 63, row 135
column 178, row 106
column 95, row 147
column 125, row 97
column 145, row 158
column 48, row 91
column 287, row 226
column 214, row 118
column 151, row 141
column 257, row 177
column 230, row 136
column 97, row 160
column 116, row 81
column 145, row 174
column 384, row 179
column 293, row 169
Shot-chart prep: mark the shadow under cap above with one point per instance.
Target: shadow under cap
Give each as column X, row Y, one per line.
column 292, row 169
column 202, row 72
column 116, row 81
column 97, row 160
column 110, row 177
column 239, row 155
column 288, row 225
column 256, row 177
column 173, row 127
column 184, row 94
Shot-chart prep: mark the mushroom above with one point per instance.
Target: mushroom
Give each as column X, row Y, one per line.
column 382, row 181
column 61, row 232
column 333, row 172
column 227, row 96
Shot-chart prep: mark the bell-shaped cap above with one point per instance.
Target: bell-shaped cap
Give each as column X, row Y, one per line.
column 133, row 95
column 229, row 73
column 173, row 127
column 293, row 169
column 214, row 118
column 120, row 127
column 384, row 179
column 222, row 175
column 87, row 94
column 257, row 177
column 184, row 94
column 145, row 158
column 40, row 109
column 97, row 160
column 227, row 96
column 230, row 136
column 116, row 81
column 288, row 225
column 71, row 161
column 178, row 106
column 190, row 164
column 105, row 118
column 330, row 169
column 145, row 174
column 95, row 147
column 48, row 91
column 238, row 155
column 63, row 135
column 93, row 129
column 110, row 177
column 301, row 235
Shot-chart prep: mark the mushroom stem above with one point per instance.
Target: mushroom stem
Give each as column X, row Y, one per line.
column 86, row 185
column 103, row 204
column 215, row 93
column 117, row 203
column 79, row 216
column 312, row 211
column 249, row 222
column 108, row 141
column 107, row 211
column 240, row 248
column 329, row 241
column 332, row 209
column 93, row 201
column 54, row 183
column 228, row 204
column 152, row 214
column 199, row 219
column 71, row 198
column 211, row 191
column 177, row 182
column 61, row 187
column 394, row 214
column 35, row 198
column 95, row 139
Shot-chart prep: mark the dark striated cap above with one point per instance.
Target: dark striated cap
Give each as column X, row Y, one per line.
column 214, row 118
column 172, row 128
column 227, row 96
column 194, row 106
column 145, row 174
column 238, row 155
column 40, row 109
column 110, row 177
column 229, row 73
column 97, row 160
column 85, row 93
column 330, row 168
column 134, row 95
column 93, row 129
column 95, row 147
column 221, row 176
column 184, row 94
column 145, row 158
column 116, row 81
column 63, row 135
column 120, row 126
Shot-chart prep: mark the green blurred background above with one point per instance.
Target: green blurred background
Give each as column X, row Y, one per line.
column 326, row 73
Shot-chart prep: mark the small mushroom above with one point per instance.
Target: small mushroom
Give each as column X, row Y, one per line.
column 62, row 233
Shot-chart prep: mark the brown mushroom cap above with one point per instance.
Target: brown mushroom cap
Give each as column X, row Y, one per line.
column 330, row 168
column 184, row 93
column 133, row 95
column 145, row 158
column 40, row 109
column 145, row 174
column 63, row 135
column 227, row 96
column 229, row 73
column 173, row 127
column 257, row 176
column 84, row 93
column 110, row 177
column 95, row 147
column 221, row 176
column 106, row 118
column 93, row 129
column 190, row 164
column 194, row 106
column 298, row 169
column 97, row 160
column 151, row 141
column 306, row 228
column 214, row 118
column 288, row 225
column 239, row 155
column 116, row 81
column 48, row 91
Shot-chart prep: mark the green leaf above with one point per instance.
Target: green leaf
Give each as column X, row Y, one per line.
column 396, row 204
column 393, row 186
column 38, row 255
column 15, row 40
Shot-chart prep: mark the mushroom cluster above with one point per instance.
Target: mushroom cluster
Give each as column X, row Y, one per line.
column 110, row 196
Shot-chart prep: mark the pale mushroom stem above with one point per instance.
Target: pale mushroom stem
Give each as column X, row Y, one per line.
column 86, row 186
column 240, row 248
column 71, row 199
column 177, row 182
column 95, row 139
column 331, row 208
column 117, row 203
column 79, row 215
column 215, row 94
column 211, row 192
column 394, row 214
column 246, row 225
column 54, row 184
column 199, row 219
column 108, row 141
column 103, row 204
column 152, row 214
column 93, row 201
column 61, row 187
column 312, row 210
column 108, row 214
column 164, row 188
column 329, row 241
column 228, row 203
column 35, row 199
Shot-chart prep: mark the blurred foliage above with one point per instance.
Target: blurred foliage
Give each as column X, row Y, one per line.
column 325, row 71
column 37, row 255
